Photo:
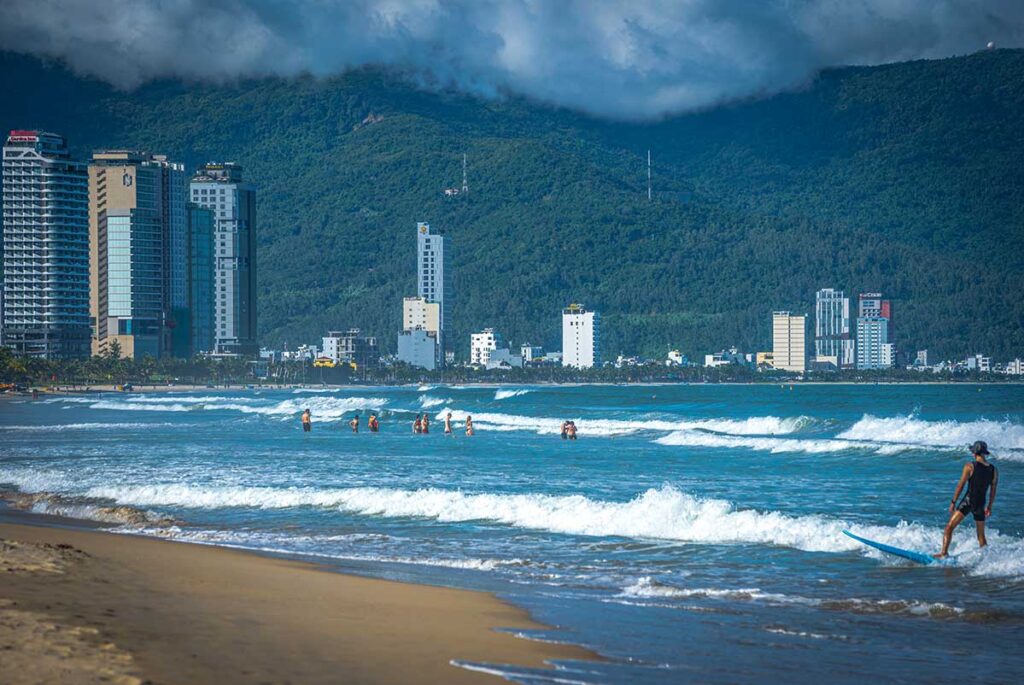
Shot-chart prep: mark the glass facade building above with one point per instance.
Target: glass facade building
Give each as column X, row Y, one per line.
column 45, row 247
column 201, row 223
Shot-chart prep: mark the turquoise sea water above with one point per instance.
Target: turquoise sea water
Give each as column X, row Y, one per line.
column 691, row 534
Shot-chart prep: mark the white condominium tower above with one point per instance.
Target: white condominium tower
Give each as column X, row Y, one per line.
column 789, row 341
column 45, row 247
column 219, row 187
column 432, row 280
column 832, row 340
column 581, row 337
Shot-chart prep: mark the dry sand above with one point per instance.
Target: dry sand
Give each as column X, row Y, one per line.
column 79, row 606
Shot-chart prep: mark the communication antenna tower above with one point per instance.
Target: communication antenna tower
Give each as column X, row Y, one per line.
column 465, row 183
column 648, row 174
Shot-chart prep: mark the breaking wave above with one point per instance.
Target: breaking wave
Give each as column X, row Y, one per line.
column 506, row 394
column 664, row 513
column 756, row 425
column 955, row 434
column 89, row 426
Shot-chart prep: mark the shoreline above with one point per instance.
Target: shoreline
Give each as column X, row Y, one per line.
column 131, row 609
column 44, row 391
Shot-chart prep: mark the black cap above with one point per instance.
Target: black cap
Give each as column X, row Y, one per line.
column 980, row 447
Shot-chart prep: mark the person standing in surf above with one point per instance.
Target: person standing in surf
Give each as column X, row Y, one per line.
column 979, row 476
column 307, row 421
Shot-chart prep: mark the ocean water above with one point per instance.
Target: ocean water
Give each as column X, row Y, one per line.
column 691, row 534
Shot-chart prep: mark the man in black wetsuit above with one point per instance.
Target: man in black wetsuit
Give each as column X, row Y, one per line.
column 979, row 476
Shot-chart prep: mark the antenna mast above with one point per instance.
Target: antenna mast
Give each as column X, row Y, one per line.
column 648, row 174
column 465, row 183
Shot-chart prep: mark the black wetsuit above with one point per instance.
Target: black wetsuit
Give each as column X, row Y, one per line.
column 977, row 491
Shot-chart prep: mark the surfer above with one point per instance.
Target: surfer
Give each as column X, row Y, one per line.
column 979, row 476
column 307, row 421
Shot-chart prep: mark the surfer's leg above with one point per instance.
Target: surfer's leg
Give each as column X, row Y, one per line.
column 980, row 525
column 947, row 535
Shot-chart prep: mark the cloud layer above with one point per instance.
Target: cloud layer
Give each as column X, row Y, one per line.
column 616, row 58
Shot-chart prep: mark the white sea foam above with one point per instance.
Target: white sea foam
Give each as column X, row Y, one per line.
column 426, row 401
column 506, row 394
column 953, row 434
column 313, row 546
column 755, row 425
column 88, row 426
column 647, row 587
column 425, row 388
column 690, row 438
column 323, row 408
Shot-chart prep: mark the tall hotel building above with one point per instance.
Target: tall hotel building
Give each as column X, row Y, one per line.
column 219, row 188
column 875, row 349
column 581, row 337
column 789, row 341
column 139, row 255
column 432, row 279
column 45, row 247
column 832, row 340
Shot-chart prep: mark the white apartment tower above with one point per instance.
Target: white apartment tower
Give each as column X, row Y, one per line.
column 789, row 341
column 432, row 280
column 45, row 247
column 581, row 337
column 874, row 351
column 832, row 340
column 219, row 187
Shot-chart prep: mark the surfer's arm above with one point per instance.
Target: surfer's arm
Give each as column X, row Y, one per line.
column 992, row 494
column 960, row 486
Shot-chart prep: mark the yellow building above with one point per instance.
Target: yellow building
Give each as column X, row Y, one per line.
column 789, row 342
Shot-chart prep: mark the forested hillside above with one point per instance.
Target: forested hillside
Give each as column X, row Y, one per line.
column 904, row 178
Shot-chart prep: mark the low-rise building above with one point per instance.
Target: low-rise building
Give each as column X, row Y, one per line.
column 418, row 348
column 531, row 352
column 352, row 347
column 979, row 363
column 1015, row 368
column 503, row 358
column 725, row 358
column 482, row 344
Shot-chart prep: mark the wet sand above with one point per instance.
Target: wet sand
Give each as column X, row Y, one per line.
column 88, row 607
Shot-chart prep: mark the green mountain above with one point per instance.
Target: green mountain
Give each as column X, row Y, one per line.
column 905, row 178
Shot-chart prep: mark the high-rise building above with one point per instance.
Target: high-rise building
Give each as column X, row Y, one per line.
column 789, row 336
column 873, row 304
column 832, row 340
column 200, row 265
column 138, row 277
column 220, row 188
column 581, row 337
column 432, row 279
column 45, row 247
column 481, row 345
column 873, row 348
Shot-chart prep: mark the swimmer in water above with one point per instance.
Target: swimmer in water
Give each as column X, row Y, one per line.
column 417, row 425
column 448, row 424
column 373, row 424
column 469, row 425
column 354, row 423
column 307, row 421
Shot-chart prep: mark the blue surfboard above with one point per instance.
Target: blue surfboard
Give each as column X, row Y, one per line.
column 918, row 557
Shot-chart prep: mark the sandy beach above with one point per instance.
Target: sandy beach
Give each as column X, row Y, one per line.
column 81, row 606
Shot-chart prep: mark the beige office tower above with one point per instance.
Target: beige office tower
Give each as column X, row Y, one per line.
column 789, row 338
column 138, row 255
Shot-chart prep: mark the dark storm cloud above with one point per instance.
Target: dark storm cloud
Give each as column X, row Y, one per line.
column 619, row 58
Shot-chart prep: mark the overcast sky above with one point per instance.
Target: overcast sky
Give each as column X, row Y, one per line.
column 615, row 58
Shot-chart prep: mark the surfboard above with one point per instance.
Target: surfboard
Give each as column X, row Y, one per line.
column 918, row 557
